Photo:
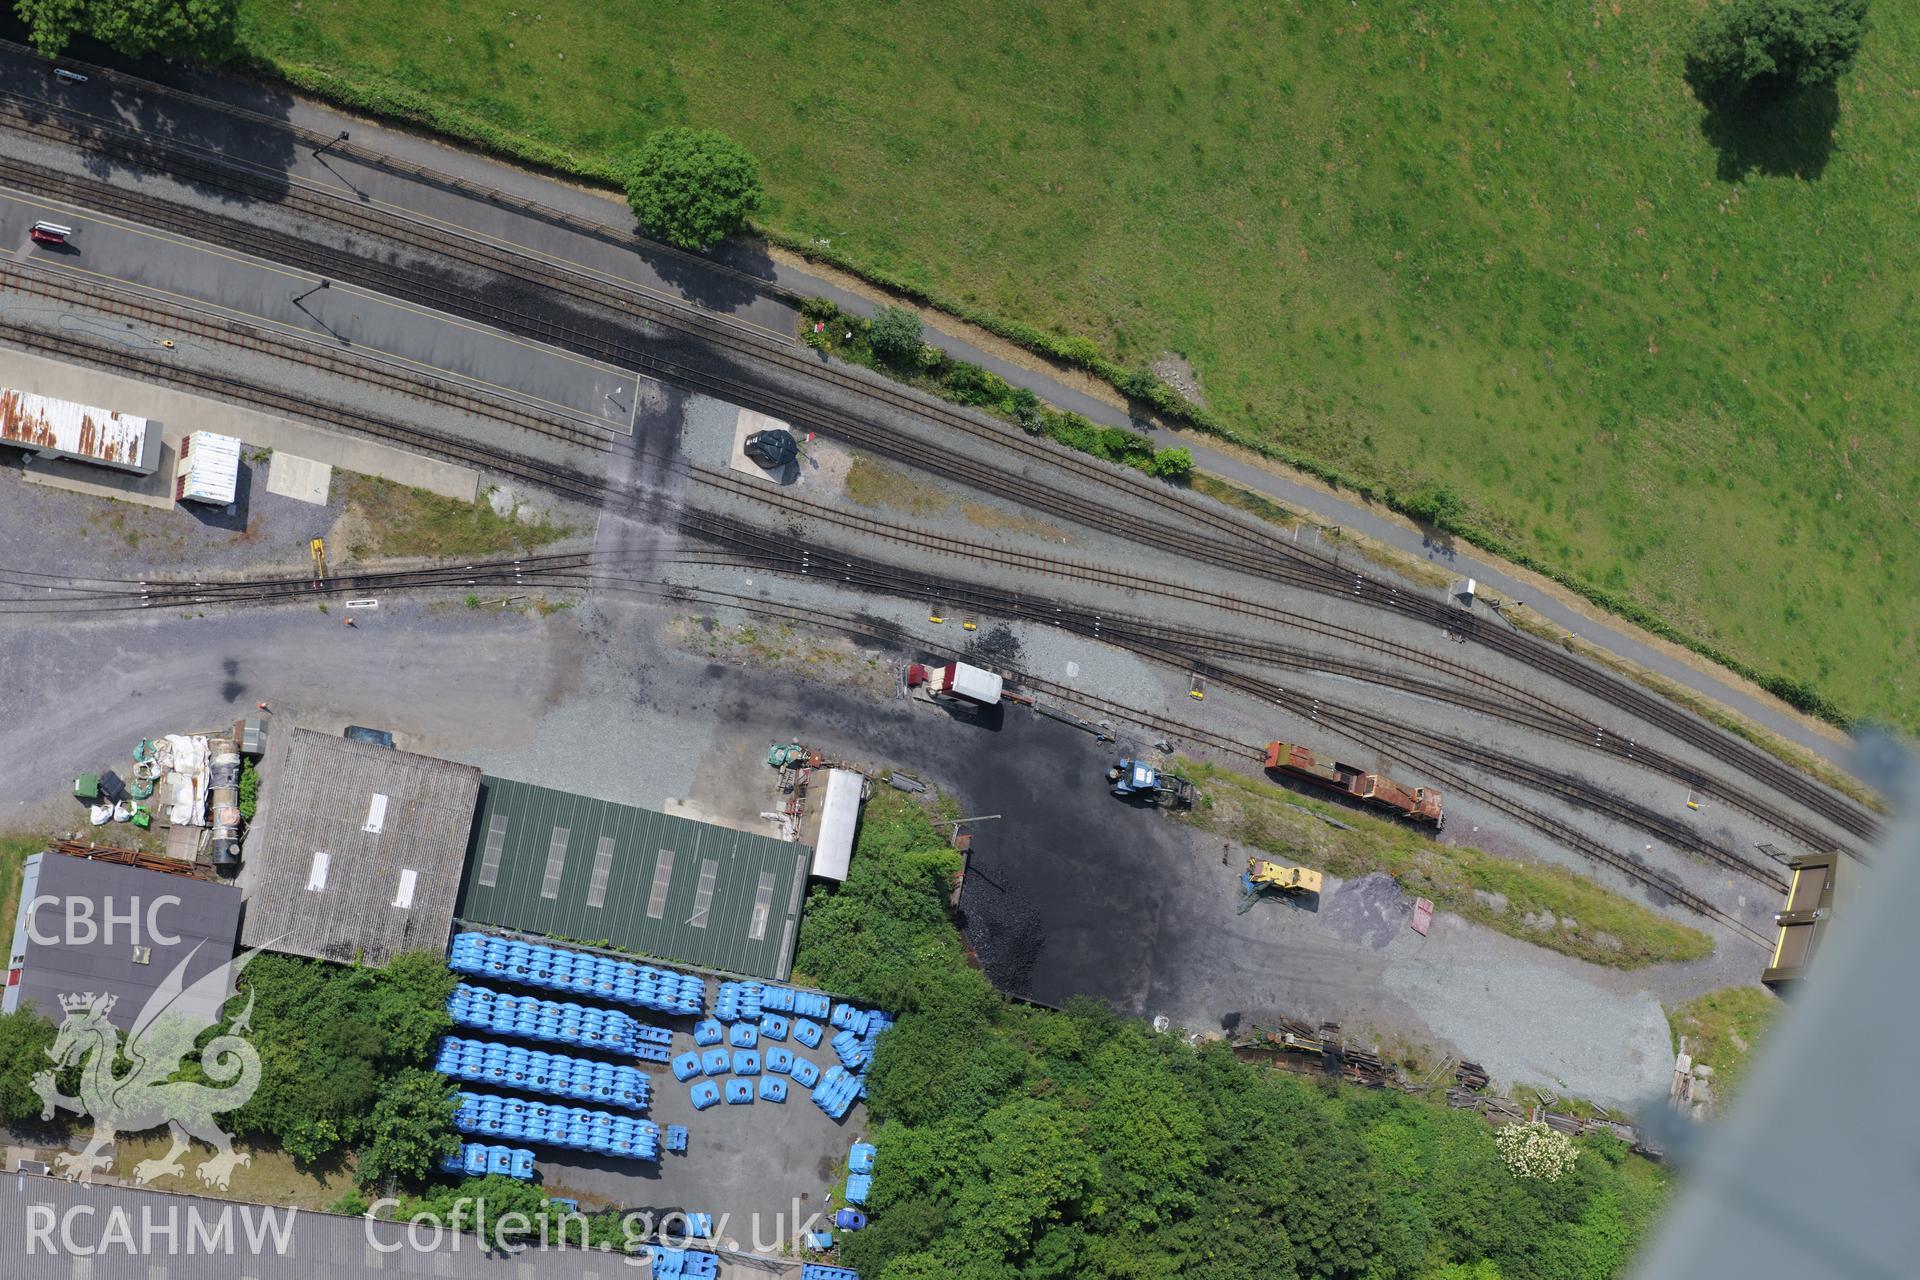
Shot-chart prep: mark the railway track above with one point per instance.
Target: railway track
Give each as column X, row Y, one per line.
column 784, row 553
column 592, row 490
column 1318, row 572
column 1072, row 509
column 588, row 488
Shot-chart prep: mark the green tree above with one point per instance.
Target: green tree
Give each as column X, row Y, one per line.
column 25, row 1037
column 1148, row 1134
column 410, row 1130
column 1763, row 49
column 693, row 187
column 202, row 29
column 330, row 1038
column 410, row 1005
column 895, row 334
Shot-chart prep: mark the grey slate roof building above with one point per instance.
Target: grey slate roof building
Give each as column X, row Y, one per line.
column 356, row 851
column 110, row 929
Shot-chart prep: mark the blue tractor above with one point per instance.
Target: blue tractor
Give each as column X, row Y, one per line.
column 1135, row 779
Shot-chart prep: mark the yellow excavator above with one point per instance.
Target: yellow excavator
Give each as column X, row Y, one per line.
column 1262, row 875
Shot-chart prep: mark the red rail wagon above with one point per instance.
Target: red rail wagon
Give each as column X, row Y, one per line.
column 1421, row 804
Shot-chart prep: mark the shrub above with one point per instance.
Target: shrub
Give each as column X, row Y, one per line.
column 693, row 187
column 1137, row 384
column 249, row 790
column 970, row 384
column 1536, row 1150
column 1438, row 505
column 1171, row 464
column 894, row 334
column 1771, row 48
column 1025, row 406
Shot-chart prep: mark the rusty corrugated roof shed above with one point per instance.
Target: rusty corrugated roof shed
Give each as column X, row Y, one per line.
column 66, row 429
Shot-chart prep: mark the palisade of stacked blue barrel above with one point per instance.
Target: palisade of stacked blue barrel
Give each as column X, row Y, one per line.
column 583, row 973
column 536, row 1072
column 690, row 1264
column 532, row 1018
column 578, row 1128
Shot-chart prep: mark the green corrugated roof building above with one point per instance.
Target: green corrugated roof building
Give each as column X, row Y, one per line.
column 550, row 862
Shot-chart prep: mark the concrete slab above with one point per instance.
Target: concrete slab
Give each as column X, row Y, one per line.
column 183, row 843
column 184, row 412
column 296, row 477
column 750, row 422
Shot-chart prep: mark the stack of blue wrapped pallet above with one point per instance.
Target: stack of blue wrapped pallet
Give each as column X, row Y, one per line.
column 694, row 1264
column 820, row 1271
column 836, row 1092
column 738, row 1001
column 562, row 969
column 538, row 1072
column 574, row 1127
column 810, row 1004
column 476, row 1160
column 652, row 1044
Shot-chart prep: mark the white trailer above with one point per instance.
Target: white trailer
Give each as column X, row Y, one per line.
column 971, row 684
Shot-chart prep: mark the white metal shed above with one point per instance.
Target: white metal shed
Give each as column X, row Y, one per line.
column 839, row 815
column 208, row 470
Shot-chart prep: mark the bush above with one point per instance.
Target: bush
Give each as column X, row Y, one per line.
column 894, row 334
column 1137, row 384
column 1171, row 464
column 249, row 790
column 970, row 384
column 1025, row 406
column 1770, row 48
column 1438, row 505
column 693, row 187
column 1536, row 1150
column 25, row 1037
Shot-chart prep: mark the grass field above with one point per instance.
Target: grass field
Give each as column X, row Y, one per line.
column 1495, row 248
